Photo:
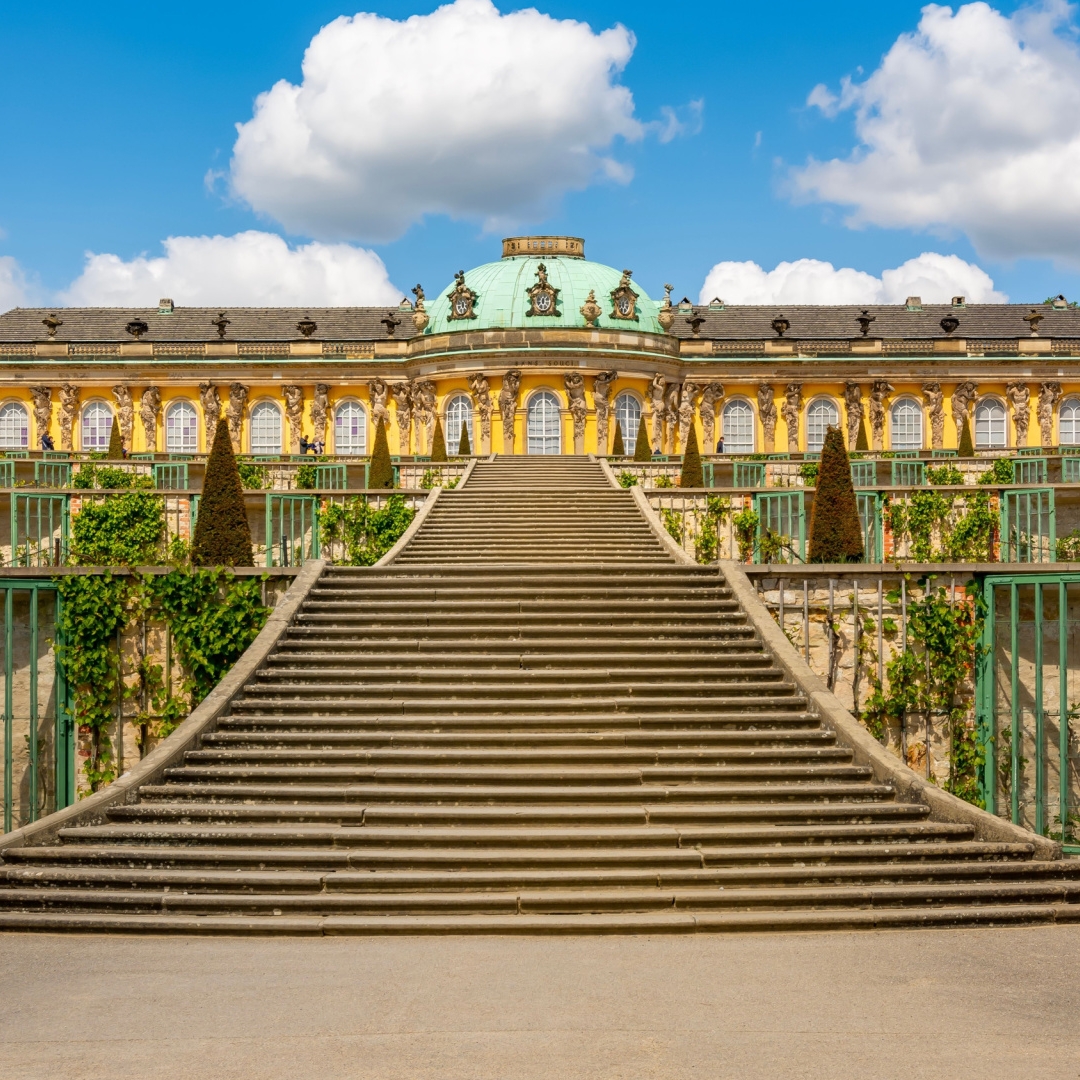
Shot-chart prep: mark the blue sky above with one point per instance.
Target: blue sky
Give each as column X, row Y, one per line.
column 113, row 115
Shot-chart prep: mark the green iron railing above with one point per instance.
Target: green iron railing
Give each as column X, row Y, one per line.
column 1029, row 470
column 292, row 529
column 864, row 473
column 39, row 529
column 1028, row 531
column 53, row 474
column 331, row 477
column 782, row 517
column 7, row 474
column 748, row 474
column 1070, row 470
column 870, row 517
column 171, row 477
column 907, row 473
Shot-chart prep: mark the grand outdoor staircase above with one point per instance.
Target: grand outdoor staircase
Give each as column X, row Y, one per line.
column 535, row 719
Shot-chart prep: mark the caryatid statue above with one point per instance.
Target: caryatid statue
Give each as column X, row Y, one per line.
column 671, row 417
column 211, row 407
column 238, row 395
column 854, row 405
column 424, row 405
column 42, row 396
column 791, row 410
column 687, row 397
column 602, row 385
column 933, row 398
column 657, row 394
column 508, row 400
column 711, row 393
column 149, row 413
column 379, row 392
column 1049, row 396
column 294, row 413
column 69, row 406
column 319, row 411
column 577, row 406
column 1019, row 395
column 125, row 415
column 480, row 388
column 403, row 404
column 879, row 396
column 766, row 401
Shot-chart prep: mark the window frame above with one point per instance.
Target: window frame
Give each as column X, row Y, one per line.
column 820, row 400
column 259, row 408
column 173, row 407
column 13, row 404
column 738, row 401
column 991, row 401
column 84, row 412
column 629, row 442
column 453, row 443
column 542, row 392
column 351, row 403
column 917, row 408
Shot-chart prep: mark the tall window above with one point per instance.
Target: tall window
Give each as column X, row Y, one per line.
column 738, row 427
column 907, row 420
column 14, row 426
column 458, row 414
column 266, row 428
column 822, row 415
column 350, row 428
column 543, row 424
column 181, row 428
column 990, row 429
column 628, row 417
column 97, row 421
column 1069, row 422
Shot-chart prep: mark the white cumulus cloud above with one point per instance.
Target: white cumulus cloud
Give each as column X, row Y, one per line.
column 936, row 278
column 16, row 288
column 465, row 112
column 970, row 122
column 250, row 268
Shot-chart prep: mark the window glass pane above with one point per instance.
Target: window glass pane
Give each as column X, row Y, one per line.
column 458, row 412
column 181, row 428
column 14, row 426
column 738, row 427
column 628, row 417
column 543, row 424
column 906, row 425
column 265, row 429
column 990, row 431
column 821, row 415
column 97, row 422
column 350, row 428
column 1069, row 422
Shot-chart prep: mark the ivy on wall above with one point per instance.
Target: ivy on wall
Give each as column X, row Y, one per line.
column 367, row 534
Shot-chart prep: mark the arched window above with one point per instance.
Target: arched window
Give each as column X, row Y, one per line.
column 14, row 426
column 350, row 428
column 544, row 422
column 907, row 421
column 820, row 416
column 97, row 421
column 458, row 414
column 628, row 417
column 990, row 426
column 1069, row 422
column 181, row 428
column 738, row 427
column 265, row 428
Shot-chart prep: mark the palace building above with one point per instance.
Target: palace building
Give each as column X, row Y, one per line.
column 541, row 352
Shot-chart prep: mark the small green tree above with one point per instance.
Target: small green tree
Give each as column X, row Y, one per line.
column 835, row 529
column 642, row 449
column 691, row 475
column 464, row 449
column 222, row 534
column 861, row 442
column 438, row 441
column 116, row 443
column 617, row 448
column 964, row 448
column 381, row 471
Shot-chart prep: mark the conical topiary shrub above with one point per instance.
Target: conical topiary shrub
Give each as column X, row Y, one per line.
column 438, row 441
column 222, row 534
column 617, row 448
column 642, row 449
column 380, row 471
column 691, row 475
column 464, row 449
column 861, row 442
column 964, row 448
column 835, row 529
column 116, row 443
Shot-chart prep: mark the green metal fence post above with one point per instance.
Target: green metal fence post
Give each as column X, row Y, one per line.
column 1040, row 726
column 985, row 704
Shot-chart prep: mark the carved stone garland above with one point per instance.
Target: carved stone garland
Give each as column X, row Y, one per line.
column 602, row 385
column 508, row 399
column 125, row 413
column 149, row 411
column 791, row 410
column 933, row 399
column 294, row 413
column 238, row 395
column 69, row 406
column 481, row 392
column 766, row 399
column 578, row 407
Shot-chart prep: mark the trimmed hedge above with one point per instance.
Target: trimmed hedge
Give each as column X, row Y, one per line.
column 222, row 534
column 835, row 529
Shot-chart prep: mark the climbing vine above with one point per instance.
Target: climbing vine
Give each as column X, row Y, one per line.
column 929, row 676
column 367, row 534
column 962, row 534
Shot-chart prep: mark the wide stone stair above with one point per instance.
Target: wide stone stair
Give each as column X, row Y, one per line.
column 534, row 720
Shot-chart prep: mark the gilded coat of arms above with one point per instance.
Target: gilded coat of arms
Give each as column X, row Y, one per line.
column 624, row 299
column 543, row 296
column 462, row 299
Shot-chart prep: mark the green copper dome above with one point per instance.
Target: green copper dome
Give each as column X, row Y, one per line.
column 502, row 298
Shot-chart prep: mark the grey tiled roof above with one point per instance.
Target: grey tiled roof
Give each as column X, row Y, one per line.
column 754, row 322
column 741, row 322
column 195, row 324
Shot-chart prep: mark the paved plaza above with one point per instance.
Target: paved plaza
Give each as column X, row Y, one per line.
column 914, row 1004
